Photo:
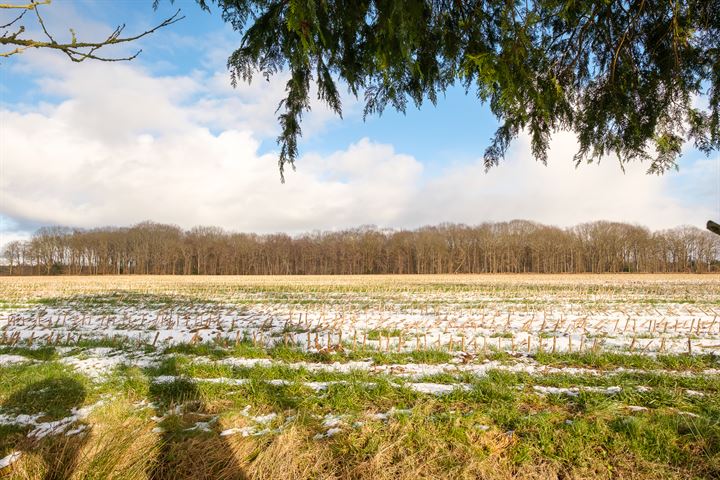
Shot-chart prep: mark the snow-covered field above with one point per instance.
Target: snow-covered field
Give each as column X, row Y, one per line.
column 645, row 314
column 258, row 358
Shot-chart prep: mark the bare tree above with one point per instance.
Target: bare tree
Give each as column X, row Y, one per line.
column 12, row 254
column 508, row 247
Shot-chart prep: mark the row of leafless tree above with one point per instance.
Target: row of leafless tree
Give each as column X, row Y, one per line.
column 512, row 247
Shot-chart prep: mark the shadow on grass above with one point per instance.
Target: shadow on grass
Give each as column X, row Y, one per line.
column 186, row 450
column 54, row 398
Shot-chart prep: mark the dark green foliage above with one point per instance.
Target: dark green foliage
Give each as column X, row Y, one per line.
column 622, row 75
column 713, row 227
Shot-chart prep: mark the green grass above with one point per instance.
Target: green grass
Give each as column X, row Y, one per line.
column 378, row 333
column 44, row 353
column 610, row 360
column 590, row 432
column 49, row 390
column 290, row 354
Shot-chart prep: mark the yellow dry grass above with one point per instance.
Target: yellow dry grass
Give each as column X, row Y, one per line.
column 122, row 448
column 27, row 288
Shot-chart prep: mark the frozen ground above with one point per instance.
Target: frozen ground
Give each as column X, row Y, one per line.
column 673, row 318
column 255, row 359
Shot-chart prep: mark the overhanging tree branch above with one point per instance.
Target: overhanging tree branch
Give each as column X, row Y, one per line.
column 77, row 51
column 620, row 74
column 26, row 6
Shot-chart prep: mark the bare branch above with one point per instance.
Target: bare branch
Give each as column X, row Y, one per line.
column 42, row 24
column 28, row 6
column 13, row 52
column 16, row 19
column 77, row 51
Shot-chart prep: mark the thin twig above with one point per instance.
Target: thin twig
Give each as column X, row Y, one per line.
column 74, row 50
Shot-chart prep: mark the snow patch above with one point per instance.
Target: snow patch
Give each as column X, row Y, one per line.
column 575, row 391
column 636, row 408
column 203, row 426
column 331, row 432
column 390, row 413
column 55, row 427
column 437, row 388
column 97, row 363
column 13, row 359
column 10, row 459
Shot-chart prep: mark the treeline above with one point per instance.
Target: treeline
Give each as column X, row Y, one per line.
column 508, row 247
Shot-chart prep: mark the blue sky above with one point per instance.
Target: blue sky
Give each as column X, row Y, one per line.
column 166, row 138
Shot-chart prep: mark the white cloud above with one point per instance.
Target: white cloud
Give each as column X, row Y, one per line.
column 112, row 100
column 126, row 145
column 55, row 171
column 558, row 193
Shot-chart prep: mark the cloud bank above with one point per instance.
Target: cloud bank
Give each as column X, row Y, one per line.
column 124, row 145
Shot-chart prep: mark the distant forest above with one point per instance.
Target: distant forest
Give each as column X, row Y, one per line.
column 508, row 247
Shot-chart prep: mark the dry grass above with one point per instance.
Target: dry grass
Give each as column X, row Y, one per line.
column 137, row 454
column 48, row 287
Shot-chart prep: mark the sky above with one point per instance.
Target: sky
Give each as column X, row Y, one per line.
column 166, row 138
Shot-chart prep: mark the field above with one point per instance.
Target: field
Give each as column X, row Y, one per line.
column 478, row 376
